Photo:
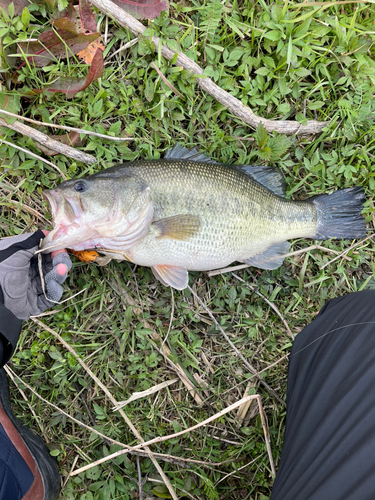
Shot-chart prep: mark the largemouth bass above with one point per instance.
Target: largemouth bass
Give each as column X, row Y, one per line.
column 187, row 213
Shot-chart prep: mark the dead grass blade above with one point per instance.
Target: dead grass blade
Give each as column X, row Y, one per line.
column 290, row 254
column 113, row 401
column 343, row 254
column 160, row 439
column 144, row 394
column 166, row 353
column 166, row 81
column 247, row 364
column 272, row 306
column 26, row 151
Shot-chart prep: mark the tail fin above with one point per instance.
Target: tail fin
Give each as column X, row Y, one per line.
column 339, row 214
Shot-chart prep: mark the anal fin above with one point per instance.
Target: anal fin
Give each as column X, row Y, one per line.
column 271, row 258
column 176, row 277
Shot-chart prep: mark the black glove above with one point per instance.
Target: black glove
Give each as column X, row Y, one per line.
column 21, row 290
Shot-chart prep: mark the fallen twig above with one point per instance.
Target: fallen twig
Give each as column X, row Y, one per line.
column 244, row 360
column 47, row 142
column 234, row 105
column 160, row 439
column 65, row 127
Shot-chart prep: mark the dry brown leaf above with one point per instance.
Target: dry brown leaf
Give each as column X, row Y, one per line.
column 89, row 52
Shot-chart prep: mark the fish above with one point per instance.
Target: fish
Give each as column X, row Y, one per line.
column 186, row 212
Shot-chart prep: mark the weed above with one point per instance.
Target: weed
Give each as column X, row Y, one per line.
column 283, row 60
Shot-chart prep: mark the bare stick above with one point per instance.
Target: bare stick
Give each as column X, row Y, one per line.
column 65, row 127
column 115, row 403
column 160, row 439
column 26, row 151
column 244, row 360
column 272, row 306
column 234, row 105
column 343, row 254
column 47, row 142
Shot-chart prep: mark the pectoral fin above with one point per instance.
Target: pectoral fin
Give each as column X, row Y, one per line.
column 272, row 258
column 178, row 227
column 176, row 277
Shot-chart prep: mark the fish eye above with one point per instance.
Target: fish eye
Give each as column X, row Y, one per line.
column 80, row 187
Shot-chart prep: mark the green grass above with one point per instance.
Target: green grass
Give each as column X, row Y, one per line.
column 285, row 62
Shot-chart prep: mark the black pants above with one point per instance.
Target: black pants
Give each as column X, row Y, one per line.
column 329, row 443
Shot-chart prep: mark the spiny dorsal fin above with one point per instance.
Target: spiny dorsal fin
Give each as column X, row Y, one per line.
column 176, row 277
column 271, row 258
column 177, row 227
column 269, row 177
column 178, row 152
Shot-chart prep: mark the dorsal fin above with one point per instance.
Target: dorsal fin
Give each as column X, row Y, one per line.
column 269, row 177
column 181, row 153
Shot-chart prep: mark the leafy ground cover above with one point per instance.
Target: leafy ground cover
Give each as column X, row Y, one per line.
column 286, row 60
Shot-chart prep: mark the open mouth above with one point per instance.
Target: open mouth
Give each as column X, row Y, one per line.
column 63, row 210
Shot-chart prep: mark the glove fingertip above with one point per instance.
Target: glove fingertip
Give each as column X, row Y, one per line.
column 54, row 291
column 62, row 258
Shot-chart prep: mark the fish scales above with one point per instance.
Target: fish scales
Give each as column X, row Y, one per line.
column 238, row 216
column 186, row 212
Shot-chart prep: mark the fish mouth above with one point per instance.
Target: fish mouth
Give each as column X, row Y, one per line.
column 64, row 210
column 66, row 213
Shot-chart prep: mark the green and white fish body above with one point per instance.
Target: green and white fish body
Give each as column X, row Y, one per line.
column 187, row 213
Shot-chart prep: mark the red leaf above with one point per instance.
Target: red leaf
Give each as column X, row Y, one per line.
column 143, row 9
column 51, row 45
column 64, row 23
column 70, row 86
column 87, row 17
column 79, row 18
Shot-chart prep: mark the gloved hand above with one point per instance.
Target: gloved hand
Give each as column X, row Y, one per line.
column 21, row 287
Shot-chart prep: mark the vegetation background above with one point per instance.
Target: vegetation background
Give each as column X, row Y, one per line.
column 286, row 60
